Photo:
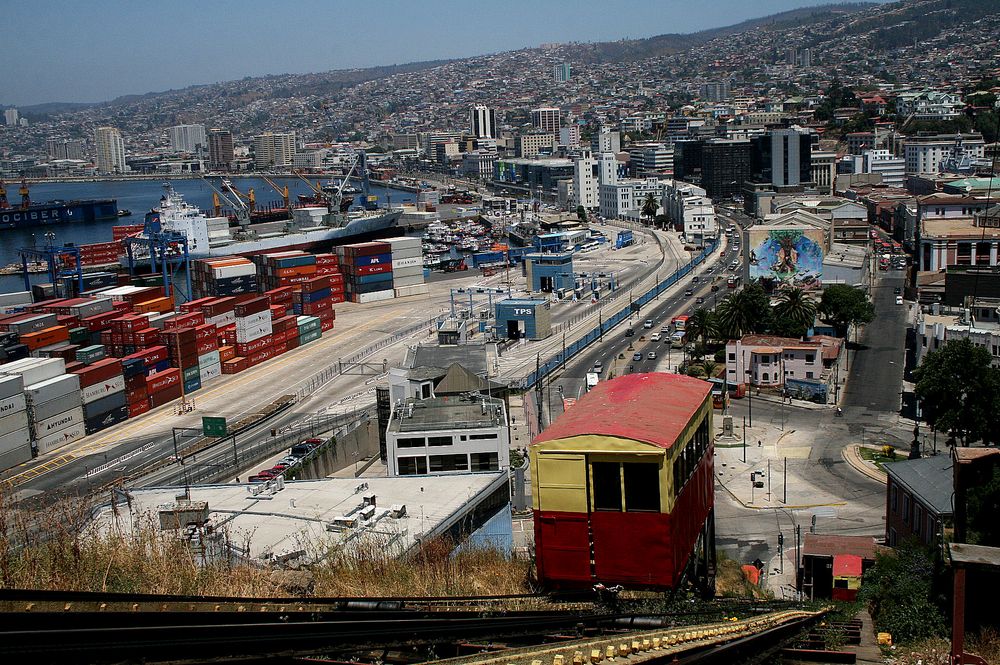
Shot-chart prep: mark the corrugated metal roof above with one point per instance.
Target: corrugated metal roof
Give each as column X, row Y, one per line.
column 653, row 408
column 930, row 479
column 815, row 544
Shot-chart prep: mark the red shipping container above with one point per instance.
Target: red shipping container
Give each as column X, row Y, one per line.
column 327, row 260
column 234, row 365
column 252, row 306
column 196, row 305
column 260, row 356
column 136, row 394
column 377, row 269
column 102, row 370
column 317, row 284
column 138, row 408
column 99, row 321
column 147, row 337
column 133, row 382
column 218, row 306
column 190, row 320
column 162, row 380
column 166, row 395
column 367, row 248
column 340, row 297
column 279, row 348
column 277, row 310
column 205, row 332
column 150, row 356
column 245, row 350
column 207, row 346
column 326, row 325
column 74, row 365
column 292, row 341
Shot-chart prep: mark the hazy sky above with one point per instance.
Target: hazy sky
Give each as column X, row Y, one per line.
column 96, row 50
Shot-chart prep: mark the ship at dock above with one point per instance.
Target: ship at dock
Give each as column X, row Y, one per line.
column 30, row 213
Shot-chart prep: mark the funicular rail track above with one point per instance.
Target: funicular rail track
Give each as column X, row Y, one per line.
column 81, row 627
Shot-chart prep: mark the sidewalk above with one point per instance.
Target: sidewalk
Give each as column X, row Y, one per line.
column 852, row 455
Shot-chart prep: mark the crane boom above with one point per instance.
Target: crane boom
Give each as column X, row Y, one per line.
column 282, row 191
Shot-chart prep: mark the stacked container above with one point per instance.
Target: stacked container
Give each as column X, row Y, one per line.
column 102, row 390
column 136, row 396
column 309, row 329
column 182, row 348
column 164, row 387
column 253, row 331
column 285, row 268
column 367, row 269
column 15, row 437
column 230, row 276
column 407, row 266
column 53, row 402
column 315, row 299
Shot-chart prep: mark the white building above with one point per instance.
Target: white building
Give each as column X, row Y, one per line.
column 468, row 432
column 606, row 140
column 891, row 168
column 187, row 138
column 483, row 122
column 570, row 136
column 65, row 148
column 110, row 150
column 11, row 116
column 545, row 119
column 924, row 154
column 823, row 170
column 479, row 163
column 585, row 188
column 928, row 105
column 688, row 206
column 561, row 72
column 274, row 149
column 625, row 198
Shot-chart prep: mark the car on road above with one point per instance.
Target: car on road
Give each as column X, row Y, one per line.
column 637, row 356
column 655, row 337
column 899, row 300
column 699, row 300
column 280, row 467
column 629, row 332
column 897, row 291
column 648, row 323
column 267, row 474
column 665, row 330
column 734, row 266
column 598, row 367
column 257, row 479
column 688, row 293
column 651, row 355
column 715, row 288
column 694, row 280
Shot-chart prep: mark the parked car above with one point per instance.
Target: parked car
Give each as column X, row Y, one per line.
column 694, row 280
column 897, row 291
column 257, row 479
column 899, row 300
column 715, row 288
column 267, row 474
column 598, row 367
column 280, row 467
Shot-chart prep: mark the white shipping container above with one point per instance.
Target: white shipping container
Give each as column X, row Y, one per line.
column 16, row 439
column 115, row 384
column 159, row 320
column 415, row 280
column 11, row 309
column 9, row 405
column 30, row 325
column 35, row 370
column 210, row 358
column 15, row 298
column 418, row 289
column 375, row 296
column 12, row 458
column 244, row 335
column 414, row 262
column 253, row 320
column 225, row 272
column 412, row 271
column 10, row 385
column 223, row 319
column 210, row 372
column 52, row 388
column 57, row 423
column 97, row 306
column 13, row 422
column 61, row 438
column 52, row 407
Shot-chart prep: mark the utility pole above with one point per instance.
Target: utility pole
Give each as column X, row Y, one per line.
column 768, row 478
column 744, row 439
column 784, row 479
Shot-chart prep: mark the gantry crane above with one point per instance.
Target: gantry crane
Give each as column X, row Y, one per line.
column 25, row 195
column 241, row 209
column 282, row 191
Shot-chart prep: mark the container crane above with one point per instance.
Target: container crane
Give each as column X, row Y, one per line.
column 25, row 196
column 3, row 196
column 318, row 195
column 282, row 191
column 251, row 200
column 240, row 208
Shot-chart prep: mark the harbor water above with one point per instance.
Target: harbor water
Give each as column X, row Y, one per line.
column 138, row 196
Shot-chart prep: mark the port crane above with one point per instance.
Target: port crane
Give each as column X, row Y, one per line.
column 282, row 191
column 241, row 208
column 25, row 195
column 3, row 196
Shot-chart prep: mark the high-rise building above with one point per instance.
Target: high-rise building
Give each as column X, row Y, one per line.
column 220, row 149
column 715, row 91
column 64, row 148
column 11, row 116
column 925, row 153
column 535, row 143
column 483, row 122
column 891, row 168
column 605, row 140
column 187, row 138
column 561, row 72
column 782, row 157
column 585, row 189
column 273, row 149
column 725, row 167
column 546, row 119
column 570, row 136
column 110, row 150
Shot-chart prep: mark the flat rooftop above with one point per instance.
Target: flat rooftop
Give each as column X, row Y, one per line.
column 284, row 522
column 456, row 412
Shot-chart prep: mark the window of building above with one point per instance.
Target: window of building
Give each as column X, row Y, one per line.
column 482, row 437
column 607, row 482
column 410, row 442
column 895, row 499
column 810, row 357
column 918, row 518
column 906, row 507
column 411, row 466
column 642, row 487
column 892, row 537
column 809, row 375
column 732, row 356
column 764, row 377
column 448, row 463
column 439, row 441
column 485, row 461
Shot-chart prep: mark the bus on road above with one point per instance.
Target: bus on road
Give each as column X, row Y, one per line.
column 733, row 282
column 680, row 322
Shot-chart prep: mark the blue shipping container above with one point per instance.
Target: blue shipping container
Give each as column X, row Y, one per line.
column 104, row 420
column 295, row 261
column 373, row 260
column 192, row 385
column 374, row 279
column 161, row 366
column 132, row 367
column 316, row 295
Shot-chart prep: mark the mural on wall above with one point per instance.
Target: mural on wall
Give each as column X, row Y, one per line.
column 789, row 256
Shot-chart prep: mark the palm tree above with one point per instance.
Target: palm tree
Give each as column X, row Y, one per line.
column 735, row 316
column 795, row 311
column 701, row 325
column 709, row 367
column 649, row 207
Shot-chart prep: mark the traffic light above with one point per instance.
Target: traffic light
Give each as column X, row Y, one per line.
column 781, row 540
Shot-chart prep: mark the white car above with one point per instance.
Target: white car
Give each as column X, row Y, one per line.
column 651, row 355
column 899, row 300
column 655, row 337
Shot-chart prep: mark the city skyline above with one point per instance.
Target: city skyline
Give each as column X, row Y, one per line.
column 48, row 71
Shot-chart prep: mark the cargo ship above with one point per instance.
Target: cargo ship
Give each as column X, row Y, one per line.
column 309, row 228
column 29, row 213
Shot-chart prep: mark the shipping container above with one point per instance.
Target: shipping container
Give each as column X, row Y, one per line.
column 53, row 388
column 12, row 404
column 58, row 422
column 102, row 389
column 138, row 408
column 163, row 380
column 18, row 440
column 109, row 418
column 193, row 384
column 102, row 370
column 13, row 421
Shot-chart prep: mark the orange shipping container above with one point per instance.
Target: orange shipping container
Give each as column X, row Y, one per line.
column 45, row 337
column 297, row 271
column 227, row 353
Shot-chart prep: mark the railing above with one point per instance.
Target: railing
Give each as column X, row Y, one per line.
column 607, row 324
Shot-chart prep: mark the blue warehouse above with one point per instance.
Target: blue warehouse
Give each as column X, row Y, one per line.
column 517, row 318
column 549, row 272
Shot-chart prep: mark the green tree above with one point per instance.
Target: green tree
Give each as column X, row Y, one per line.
column 900, row 594
column 661, row 221
column 581, row 213
column 746, row 311
column 709, row 367
column 649, row 207
column 843, row 306
column 794, row 313
column 959, row 391
column 700, row 327
column 987, row 123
